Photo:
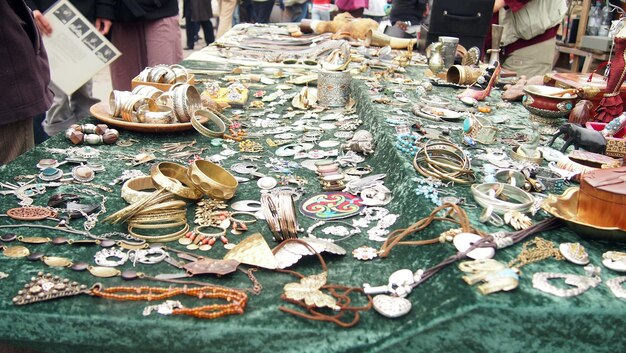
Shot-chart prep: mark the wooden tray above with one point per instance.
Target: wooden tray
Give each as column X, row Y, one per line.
column 101, row 112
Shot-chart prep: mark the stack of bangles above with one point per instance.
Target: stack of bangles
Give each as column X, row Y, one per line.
column 502, row 197
column 280, row 215
column 164, row 215
column 444, row 160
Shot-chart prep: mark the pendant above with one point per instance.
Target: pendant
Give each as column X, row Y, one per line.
column 16, row 251
column 47, row 287
column 574, row 253
column 464, row 241
column 391, row 307
column 211, row 266
column 103, row 272
column 55, row 261
column 30, row 213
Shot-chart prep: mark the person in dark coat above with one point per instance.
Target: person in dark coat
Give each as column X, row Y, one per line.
column 147, row 32
column 25, row 75
column 69, row 109
column 198, row 14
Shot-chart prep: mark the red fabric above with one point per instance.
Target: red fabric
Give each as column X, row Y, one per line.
column 523, row 43
column 516, row 5
column 611, row 107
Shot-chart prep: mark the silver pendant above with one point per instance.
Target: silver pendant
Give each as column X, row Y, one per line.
column 391, row 307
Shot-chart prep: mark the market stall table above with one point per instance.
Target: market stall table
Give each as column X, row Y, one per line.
column 447, row 314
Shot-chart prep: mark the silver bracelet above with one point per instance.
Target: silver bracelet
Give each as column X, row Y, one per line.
column 102, row 257
column 541, row 281
column 144, row 256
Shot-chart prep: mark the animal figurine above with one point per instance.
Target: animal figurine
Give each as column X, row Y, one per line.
column 576, row 135
column 362, row 142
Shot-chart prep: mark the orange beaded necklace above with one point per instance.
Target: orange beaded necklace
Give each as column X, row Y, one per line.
column 237, row 299
column 47, row 287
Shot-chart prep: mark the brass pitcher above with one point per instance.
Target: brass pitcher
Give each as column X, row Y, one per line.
column 434, row 53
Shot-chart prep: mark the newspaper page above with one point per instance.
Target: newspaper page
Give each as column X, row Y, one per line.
column 76, row 50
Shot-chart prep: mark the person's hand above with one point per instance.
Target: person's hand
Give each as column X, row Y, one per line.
column 103, row 25
column 498, row 5
column 403, row 25
column 42, row 23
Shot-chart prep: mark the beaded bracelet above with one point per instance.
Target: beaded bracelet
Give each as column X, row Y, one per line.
column 407, row 143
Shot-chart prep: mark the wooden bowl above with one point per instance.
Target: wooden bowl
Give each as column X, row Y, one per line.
column 548, row 104
column 101, row 112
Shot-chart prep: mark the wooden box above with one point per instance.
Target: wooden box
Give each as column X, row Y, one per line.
column 616, row 145
column 593, row 90
column 162, row 86
column 602, row 198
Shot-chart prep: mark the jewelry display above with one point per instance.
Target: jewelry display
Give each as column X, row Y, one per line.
column 541, row 281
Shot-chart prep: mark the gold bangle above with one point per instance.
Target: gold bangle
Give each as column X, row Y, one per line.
column 203, row 130
column 160, row 217
column 175, row 205
column 160, row 238
column 212, row 180
column 198, row 231
column 151, row 224
column 232, row 218
column 133, row 189
column 173, row 178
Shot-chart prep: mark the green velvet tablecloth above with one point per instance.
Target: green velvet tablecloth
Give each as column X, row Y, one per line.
column 447, row 314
